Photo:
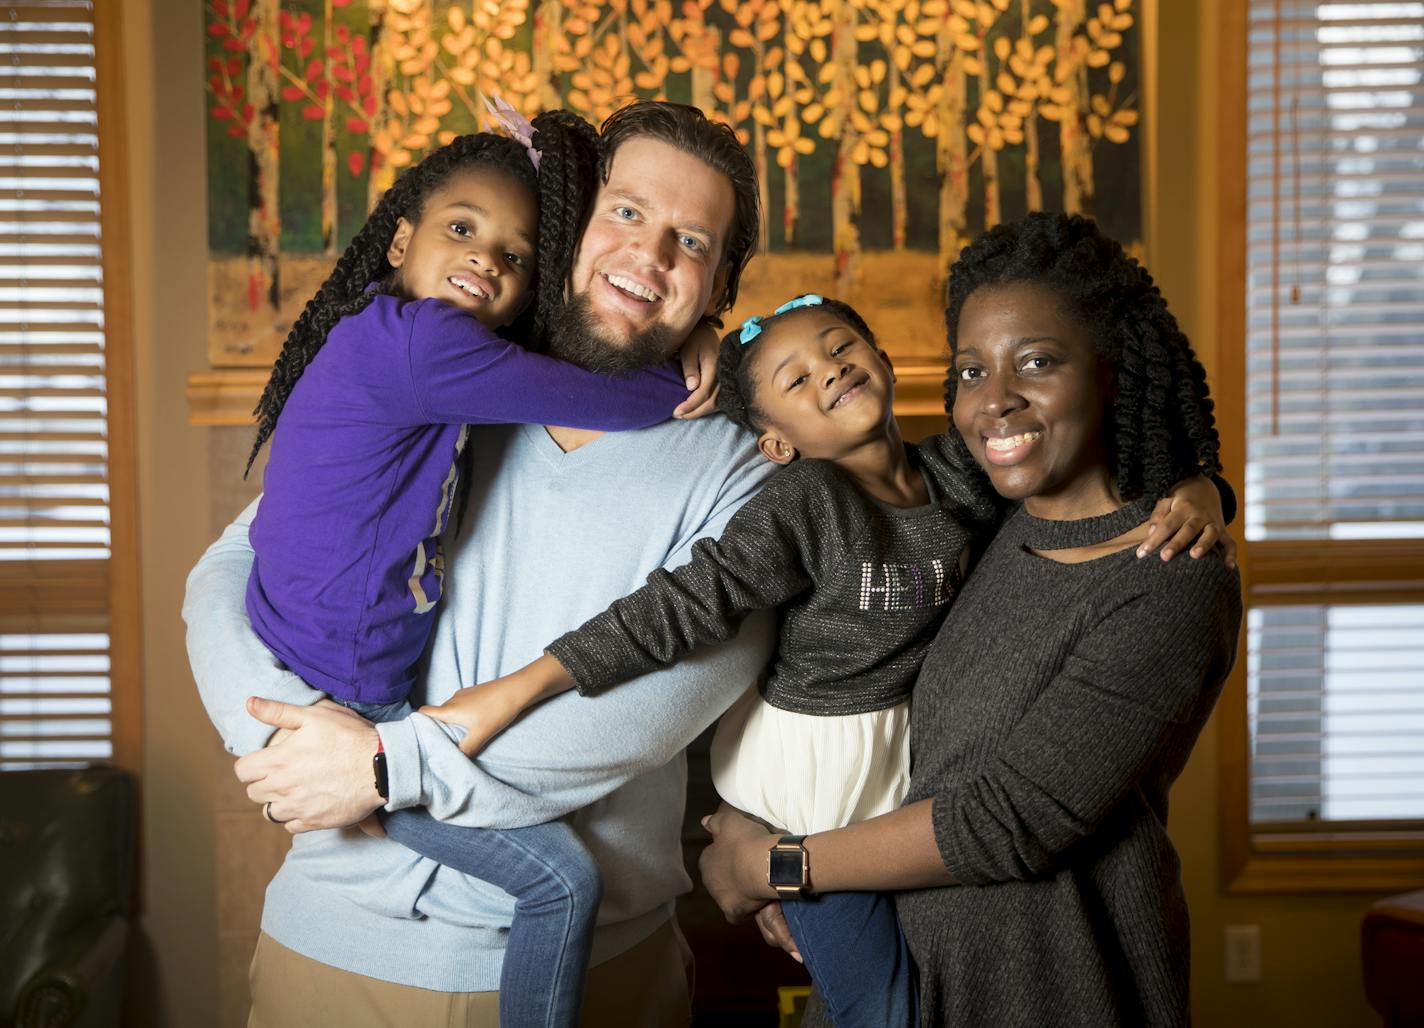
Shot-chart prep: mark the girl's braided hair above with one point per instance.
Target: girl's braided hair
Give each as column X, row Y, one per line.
column 737, row 395
column 568, row 150
column 1162, row 424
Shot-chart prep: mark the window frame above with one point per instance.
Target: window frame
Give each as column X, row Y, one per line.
column 1344, row 856
column 109, row 589
column 125, row 597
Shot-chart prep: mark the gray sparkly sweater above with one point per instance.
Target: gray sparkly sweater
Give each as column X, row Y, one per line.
column 864, row 586
column 1055, row 708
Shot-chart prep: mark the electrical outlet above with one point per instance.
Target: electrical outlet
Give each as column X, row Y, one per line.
column 1243, row 953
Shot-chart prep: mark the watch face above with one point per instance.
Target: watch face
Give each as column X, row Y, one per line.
column 786, row 867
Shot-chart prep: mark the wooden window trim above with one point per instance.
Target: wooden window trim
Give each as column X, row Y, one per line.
column 125, row 655
column 1343, row 858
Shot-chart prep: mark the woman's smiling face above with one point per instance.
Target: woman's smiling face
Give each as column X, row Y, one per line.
column 1031, row 401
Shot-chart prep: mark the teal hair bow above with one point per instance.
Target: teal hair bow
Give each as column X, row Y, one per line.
column 751, row 328
column 805, row 300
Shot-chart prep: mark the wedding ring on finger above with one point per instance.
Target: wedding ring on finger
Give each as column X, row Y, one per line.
column 267, row 813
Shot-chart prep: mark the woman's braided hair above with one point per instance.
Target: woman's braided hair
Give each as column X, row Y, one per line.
column 568, row 149
column 736, row 396
column 1162, row 424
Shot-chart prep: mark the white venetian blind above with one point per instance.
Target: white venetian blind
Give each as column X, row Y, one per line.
column 55, row 704
column 1335, row 264
column 1336, row 707
column 1335, row 402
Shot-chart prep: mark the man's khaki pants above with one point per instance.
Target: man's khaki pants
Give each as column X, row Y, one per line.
column 649, row 986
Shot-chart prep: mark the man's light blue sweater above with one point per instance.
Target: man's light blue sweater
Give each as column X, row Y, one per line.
column 548, row 540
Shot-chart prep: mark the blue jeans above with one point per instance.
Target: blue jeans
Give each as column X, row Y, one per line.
column 555, row 885
column 857, row 955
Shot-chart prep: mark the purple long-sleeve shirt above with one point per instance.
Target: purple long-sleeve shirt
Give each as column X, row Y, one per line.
column 363, row 472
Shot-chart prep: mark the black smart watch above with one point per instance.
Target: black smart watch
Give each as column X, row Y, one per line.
column 378, row 765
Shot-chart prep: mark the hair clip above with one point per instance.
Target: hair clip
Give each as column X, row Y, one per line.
column 805, row 300
column 515, row 125
column 751, row 328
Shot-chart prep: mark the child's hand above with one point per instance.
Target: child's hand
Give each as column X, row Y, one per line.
column 699, row 367
column 1190, row 515
column 484, row 711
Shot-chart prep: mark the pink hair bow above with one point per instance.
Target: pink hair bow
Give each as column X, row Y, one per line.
column 515, row 125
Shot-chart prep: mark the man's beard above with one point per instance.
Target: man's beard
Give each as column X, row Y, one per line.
column 578, row 337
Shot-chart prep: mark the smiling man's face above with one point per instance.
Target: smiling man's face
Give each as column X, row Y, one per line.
column 651, row 261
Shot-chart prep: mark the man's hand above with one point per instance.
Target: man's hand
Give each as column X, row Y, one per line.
column 699, row 367
column 320, row 775
column 372, row 826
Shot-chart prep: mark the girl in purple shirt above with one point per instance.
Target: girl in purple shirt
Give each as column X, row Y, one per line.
column 376, row 387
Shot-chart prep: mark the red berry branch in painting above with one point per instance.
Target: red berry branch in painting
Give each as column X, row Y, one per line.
column 342, row 70
column 311, row 84
column 316, row 75
column 351, row 67
column 232, row 25
column 243, row 83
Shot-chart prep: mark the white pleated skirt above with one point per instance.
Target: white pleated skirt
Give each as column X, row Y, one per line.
column 808, row 773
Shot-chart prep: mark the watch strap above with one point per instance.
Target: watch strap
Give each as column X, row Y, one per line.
column 378, row 765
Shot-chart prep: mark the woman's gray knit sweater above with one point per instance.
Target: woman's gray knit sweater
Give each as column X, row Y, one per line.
column 1054, row 710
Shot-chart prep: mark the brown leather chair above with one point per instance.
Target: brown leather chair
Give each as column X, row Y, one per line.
column 66, row 873
column 1392, row 947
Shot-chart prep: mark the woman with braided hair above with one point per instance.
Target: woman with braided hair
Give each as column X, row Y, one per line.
column 1034, row 878
column 368, row 409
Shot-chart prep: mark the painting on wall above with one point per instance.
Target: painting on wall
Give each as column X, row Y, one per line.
column 887, row 133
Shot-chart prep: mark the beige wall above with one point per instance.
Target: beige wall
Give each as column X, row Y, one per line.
column 175, row 983
column 191, row 961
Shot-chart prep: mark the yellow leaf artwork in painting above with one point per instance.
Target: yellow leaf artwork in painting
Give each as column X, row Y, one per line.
column 889, row 120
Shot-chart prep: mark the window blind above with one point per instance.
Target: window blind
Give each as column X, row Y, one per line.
column 1335, row 402
column 1336, row 708
column 55, row 704
column 1335, row 266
